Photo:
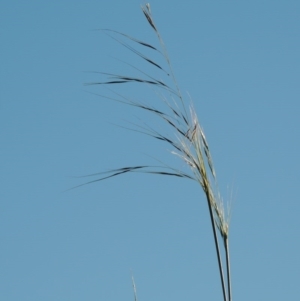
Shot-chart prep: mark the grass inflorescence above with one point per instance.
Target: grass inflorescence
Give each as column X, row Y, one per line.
column 189, row 142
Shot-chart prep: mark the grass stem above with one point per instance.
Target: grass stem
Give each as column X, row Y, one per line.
column 228, row 267
column 217, row 245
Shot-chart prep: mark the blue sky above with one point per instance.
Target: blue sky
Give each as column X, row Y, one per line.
column 239, row 62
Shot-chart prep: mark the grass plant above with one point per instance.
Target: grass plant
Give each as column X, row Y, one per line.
column 188, row 141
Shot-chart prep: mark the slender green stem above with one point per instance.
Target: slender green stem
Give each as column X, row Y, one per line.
column 228, row 267
column 134, row 289
column 217, row 245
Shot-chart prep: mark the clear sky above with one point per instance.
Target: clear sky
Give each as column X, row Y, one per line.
column 238, row 61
